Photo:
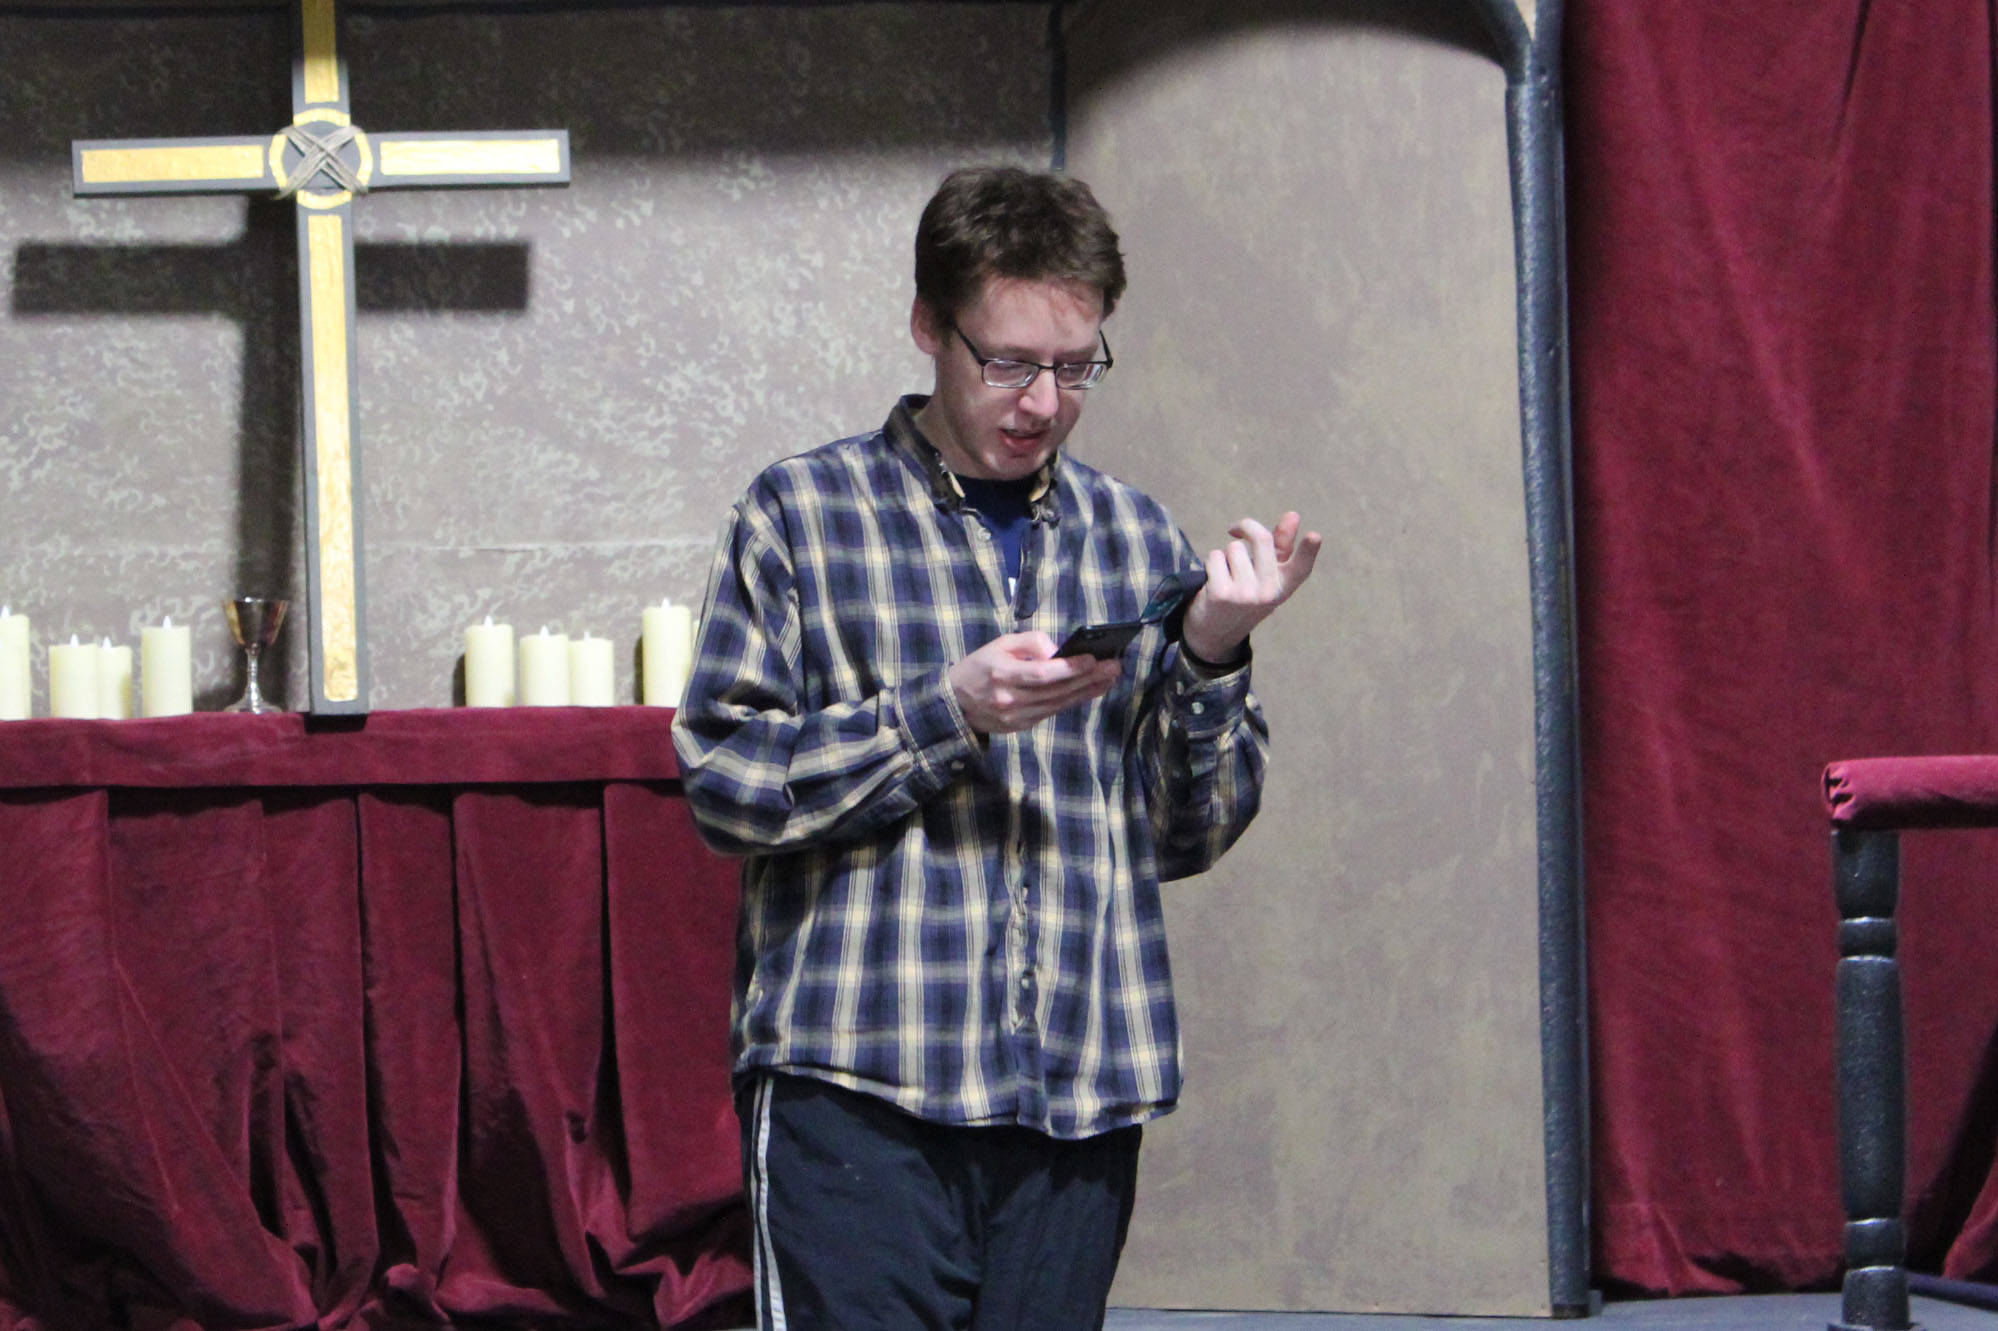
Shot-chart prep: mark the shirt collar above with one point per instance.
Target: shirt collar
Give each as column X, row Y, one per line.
column 906, row 435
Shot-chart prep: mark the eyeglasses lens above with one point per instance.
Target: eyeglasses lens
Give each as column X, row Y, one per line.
column 1018, row 374
column 1009, row 373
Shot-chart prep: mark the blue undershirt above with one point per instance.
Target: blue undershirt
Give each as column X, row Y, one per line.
column 1005, row 507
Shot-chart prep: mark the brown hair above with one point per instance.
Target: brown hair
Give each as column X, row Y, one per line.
column 1002, row 221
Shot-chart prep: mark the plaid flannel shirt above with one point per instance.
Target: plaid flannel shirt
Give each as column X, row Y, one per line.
column 968, row 928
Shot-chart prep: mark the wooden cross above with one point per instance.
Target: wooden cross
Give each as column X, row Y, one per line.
column 322, row 160
column 233, row 279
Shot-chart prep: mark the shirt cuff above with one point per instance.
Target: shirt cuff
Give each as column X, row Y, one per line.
column 935, row 730
column 1204, row 704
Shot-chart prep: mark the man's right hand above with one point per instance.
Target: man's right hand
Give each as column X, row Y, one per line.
column 1017, row 681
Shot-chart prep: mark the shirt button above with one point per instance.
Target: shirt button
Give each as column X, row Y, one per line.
column 957, row 764
column 1198, row 708
column 984, row 535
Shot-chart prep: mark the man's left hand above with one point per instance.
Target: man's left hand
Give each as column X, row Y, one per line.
column 1252, row 576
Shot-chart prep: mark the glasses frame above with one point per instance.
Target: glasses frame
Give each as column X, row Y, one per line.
column 985, row 364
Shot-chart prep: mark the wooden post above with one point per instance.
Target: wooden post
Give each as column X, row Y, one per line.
column 1872, row 1081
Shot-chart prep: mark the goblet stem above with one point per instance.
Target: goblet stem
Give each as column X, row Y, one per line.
column 252, row 697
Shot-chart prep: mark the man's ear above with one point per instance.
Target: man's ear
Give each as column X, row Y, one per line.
column 926, row 328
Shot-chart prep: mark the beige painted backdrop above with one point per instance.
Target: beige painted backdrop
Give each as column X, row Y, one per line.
column 563, row 390
column 1315, row 205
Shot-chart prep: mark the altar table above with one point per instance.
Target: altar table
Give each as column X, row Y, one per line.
column 405, row 1021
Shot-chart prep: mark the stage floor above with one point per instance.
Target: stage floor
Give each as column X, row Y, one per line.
column 1759, row 1312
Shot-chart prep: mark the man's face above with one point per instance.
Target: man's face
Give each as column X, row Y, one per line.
column 1007, row 433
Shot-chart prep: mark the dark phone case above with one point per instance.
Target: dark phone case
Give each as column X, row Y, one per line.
column 1102, row 641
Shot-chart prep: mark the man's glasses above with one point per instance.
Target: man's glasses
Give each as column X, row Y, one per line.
column 1000, row 372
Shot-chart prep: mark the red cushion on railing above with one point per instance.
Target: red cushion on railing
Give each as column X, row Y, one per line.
column 1950, row 791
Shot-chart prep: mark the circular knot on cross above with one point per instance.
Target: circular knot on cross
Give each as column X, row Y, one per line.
column 321, row 152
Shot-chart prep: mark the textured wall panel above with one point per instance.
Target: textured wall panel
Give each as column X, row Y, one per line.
column 561, row 390
column 1314, row 201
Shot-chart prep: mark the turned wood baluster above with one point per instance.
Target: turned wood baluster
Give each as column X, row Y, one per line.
column 1872, row 1081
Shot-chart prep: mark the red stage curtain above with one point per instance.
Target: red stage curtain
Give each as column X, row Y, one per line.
column 1781, row 237
column 371, row 1042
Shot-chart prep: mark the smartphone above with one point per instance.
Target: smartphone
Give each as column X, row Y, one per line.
column 1105, row 641
column 1102, row 641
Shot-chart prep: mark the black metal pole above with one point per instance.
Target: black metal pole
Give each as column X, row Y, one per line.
column 1057, row 87
column 1872, row 1081
column 1532, row 58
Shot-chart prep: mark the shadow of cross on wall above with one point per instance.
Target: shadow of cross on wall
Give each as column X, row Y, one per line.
column 252, row 280
column 323, row 161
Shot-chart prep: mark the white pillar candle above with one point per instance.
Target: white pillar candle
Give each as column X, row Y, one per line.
column 668, row 652
column 489, row 676
column 544, row 669
column 114, row 681
column 166, row 669
column 16, row 684
column 592, row 672
column 73, row 680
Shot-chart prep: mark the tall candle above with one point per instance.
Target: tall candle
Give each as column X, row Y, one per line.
column 544, row 669
column 592, row 672
column 668, row 652
column 166, row 669
column 73, row 680
column 114, row 681
column 489, row 677
column 16, row 685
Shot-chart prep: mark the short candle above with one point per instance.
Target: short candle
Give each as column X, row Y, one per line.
column 114, row 681
column 668, row 651
column 544, row 669
column 16, row 685
column 592, row 672
column 166, row 669
column 489, row 674
column 73, row 680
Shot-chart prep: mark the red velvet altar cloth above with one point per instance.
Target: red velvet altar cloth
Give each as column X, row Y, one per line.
column 1953, row 791
column 417, row 1021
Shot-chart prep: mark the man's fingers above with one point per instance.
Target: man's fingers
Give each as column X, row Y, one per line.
column 1084, row 687
column 1022, row 707
column 1033, row 645
column 1241, row 562
column 1040, row 676
column 1217, row 572
column 1054, row 671
column 1267, row 549
column 1285, row 535
column 1015, row 681
column 1302, row 559
column 1248, row 529
column 1090, row 674
column 1262, row 547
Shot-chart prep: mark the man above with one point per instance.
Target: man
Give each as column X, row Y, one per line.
column 953, row 1008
